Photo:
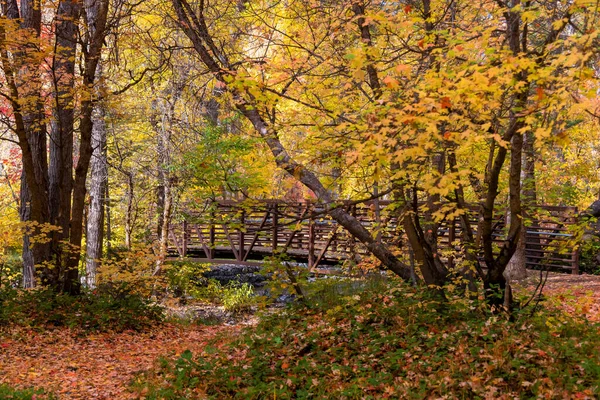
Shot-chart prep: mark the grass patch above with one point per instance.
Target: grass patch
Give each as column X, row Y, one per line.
column 389, row 341
column 9, row 393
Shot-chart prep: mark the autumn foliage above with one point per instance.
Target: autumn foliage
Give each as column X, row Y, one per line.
column 123, row 116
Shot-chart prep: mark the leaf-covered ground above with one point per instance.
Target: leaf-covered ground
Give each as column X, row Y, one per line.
column 102, row 366
column 97, row 366
column 579, row 295
column 395, row 342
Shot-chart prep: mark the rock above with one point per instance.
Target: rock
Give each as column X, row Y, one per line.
column 226, row 273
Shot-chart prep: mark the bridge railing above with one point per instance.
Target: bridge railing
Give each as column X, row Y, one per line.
column 247, row 232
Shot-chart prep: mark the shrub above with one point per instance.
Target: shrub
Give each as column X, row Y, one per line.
column 111, row 307
column 211, row 292
column 133, row 267
column 590, row 249
column 238, row 297
column 186, row 278
column 234, row 296
column 327, row 293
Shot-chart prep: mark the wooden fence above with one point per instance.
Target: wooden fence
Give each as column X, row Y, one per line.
column 245, row 233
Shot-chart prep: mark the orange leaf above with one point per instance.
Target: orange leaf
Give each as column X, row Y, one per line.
column 539, row 92
column 390, row 82
column 445, row 102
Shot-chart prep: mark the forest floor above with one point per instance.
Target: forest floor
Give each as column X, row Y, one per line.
column 577, row 294
column 101, row 366
column 95, row 366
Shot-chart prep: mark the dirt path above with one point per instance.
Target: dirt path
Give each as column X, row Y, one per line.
column 94, row 366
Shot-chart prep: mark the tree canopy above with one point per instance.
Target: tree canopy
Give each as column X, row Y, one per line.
column 436, row 105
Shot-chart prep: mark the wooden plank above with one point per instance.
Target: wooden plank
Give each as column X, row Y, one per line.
column 185, row 238
column 233, row 249
column 253, row 242
column 205, row 248
column 174, row 239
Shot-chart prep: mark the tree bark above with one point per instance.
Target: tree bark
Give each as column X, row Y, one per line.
column 516, row 267
column 97, row 12
column 129, row 211
column 27, row 255
column 61, row 138
column 98, row 183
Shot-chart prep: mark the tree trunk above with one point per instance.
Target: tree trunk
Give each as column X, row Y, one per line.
column 25, row 215
column 129, row 210
column 96, row 12
column 163, row 239
column 107, row 215
column 61, row 143
column 516, row 267
column 162, row 121
column 98, row 183
column 528, row 175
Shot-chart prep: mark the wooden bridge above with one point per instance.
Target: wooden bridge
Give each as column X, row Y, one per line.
column 246, row 233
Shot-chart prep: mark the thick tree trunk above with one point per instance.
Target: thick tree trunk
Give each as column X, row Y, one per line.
column 516, row 267
column 96, row 11
column 98, row 183
column 61, row 143
column 35, row 209
column 107, row 214
column 99, row 165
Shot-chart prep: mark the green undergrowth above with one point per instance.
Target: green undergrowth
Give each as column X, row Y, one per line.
column 9, row 393
column 389, row 341
column 109, row 308
column 234, row 296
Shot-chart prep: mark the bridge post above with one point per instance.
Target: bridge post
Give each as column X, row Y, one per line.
column 311, row 241
column 275, row 221
column 184, row 245
column 241, row 236
column 211, row 236
column 451, row 239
